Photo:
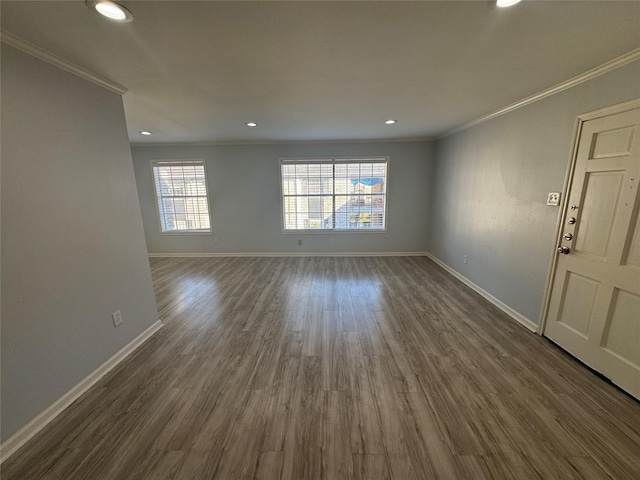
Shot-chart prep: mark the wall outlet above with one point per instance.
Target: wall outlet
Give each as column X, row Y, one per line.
column 299, row 242
column 117, row 318
column 216, row 240
column 332, row 239
column 465, row 259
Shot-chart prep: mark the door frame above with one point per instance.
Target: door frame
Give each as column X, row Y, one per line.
column 553, row 263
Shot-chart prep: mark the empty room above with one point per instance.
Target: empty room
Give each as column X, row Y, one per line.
column 298, row 240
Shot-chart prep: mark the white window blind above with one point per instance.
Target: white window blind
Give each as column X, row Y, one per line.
column 181, row 192
column 334, row 194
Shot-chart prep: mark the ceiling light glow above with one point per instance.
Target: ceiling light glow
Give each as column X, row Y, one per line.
column 252, row 124
column 390, row 122
column 145, row 132
column 507, row 3
column 112, row 11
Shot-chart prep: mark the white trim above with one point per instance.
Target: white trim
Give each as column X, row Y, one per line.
column 607, row 67
column 518, row 317
column 334, row 160
column 38, row 52
column 26, row 433
column 568, row 178
column 292, row 254
column 178, row 163
column 286, row 142
column 327, row 231
column 580, row 120
column 611, row 110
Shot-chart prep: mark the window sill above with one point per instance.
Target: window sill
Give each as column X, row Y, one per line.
column 331, row 232
column 186, row 232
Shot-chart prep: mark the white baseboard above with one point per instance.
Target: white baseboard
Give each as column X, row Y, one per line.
column 294, row 254
column 22, row 436
column 518, row 317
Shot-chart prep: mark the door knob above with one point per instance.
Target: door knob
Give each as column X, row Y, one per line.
column 571, row 220
column 564, row 250
column 568, row 236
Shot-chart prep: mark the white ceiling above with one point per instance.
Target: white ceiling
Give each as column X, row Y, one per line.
column 197, row 71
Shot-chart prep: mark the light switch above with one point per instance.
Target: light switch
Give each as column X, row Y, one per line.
column 553, row 198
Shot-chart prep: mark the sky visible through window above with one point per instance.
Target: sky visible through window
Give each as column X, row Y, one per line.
column 334, row 195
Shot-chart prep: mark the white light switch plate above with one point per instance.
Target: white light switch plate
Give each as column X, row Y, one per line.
column 117, row 318
column 553, row 198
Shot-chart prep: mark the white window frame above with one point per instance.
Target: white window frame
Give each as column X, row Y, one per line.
column 188, row 161
column 334, row 160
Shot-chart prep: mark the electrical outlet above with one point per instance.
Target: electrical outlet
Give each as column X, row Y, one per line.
column 117, row 318
column 332, row 239
column 216, row 240
column 465, row 259
column 299, row 242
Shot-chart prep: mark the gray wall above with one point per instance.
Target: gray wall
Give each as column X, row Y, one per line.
column 72, row 240
column 491, row 188
column 244, row 191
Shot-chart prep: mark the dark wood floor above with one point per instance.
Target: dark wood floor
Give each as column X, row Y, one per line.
column 336, row 368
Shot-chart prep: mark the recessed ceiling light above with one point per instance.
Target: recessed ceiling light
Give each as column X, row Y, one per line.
column 391, row 122
column 112, row 11
column 252, row 124
column 507, row 3
column 145, row 132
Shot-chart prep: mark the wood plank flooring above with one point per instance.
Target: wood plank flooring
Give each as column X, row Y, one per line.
column 336, row 368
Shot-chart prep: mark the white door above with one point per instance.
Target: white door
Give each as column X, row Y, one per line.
column 594, row 307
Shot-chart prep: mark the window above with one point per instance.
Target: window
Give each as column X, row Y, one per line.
column 181, row 191
column 334, row 194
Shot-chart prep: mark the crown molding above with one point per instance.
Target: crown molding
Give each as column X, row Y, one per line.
column 607, row 67
column 44, row 55
column 283, row 142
